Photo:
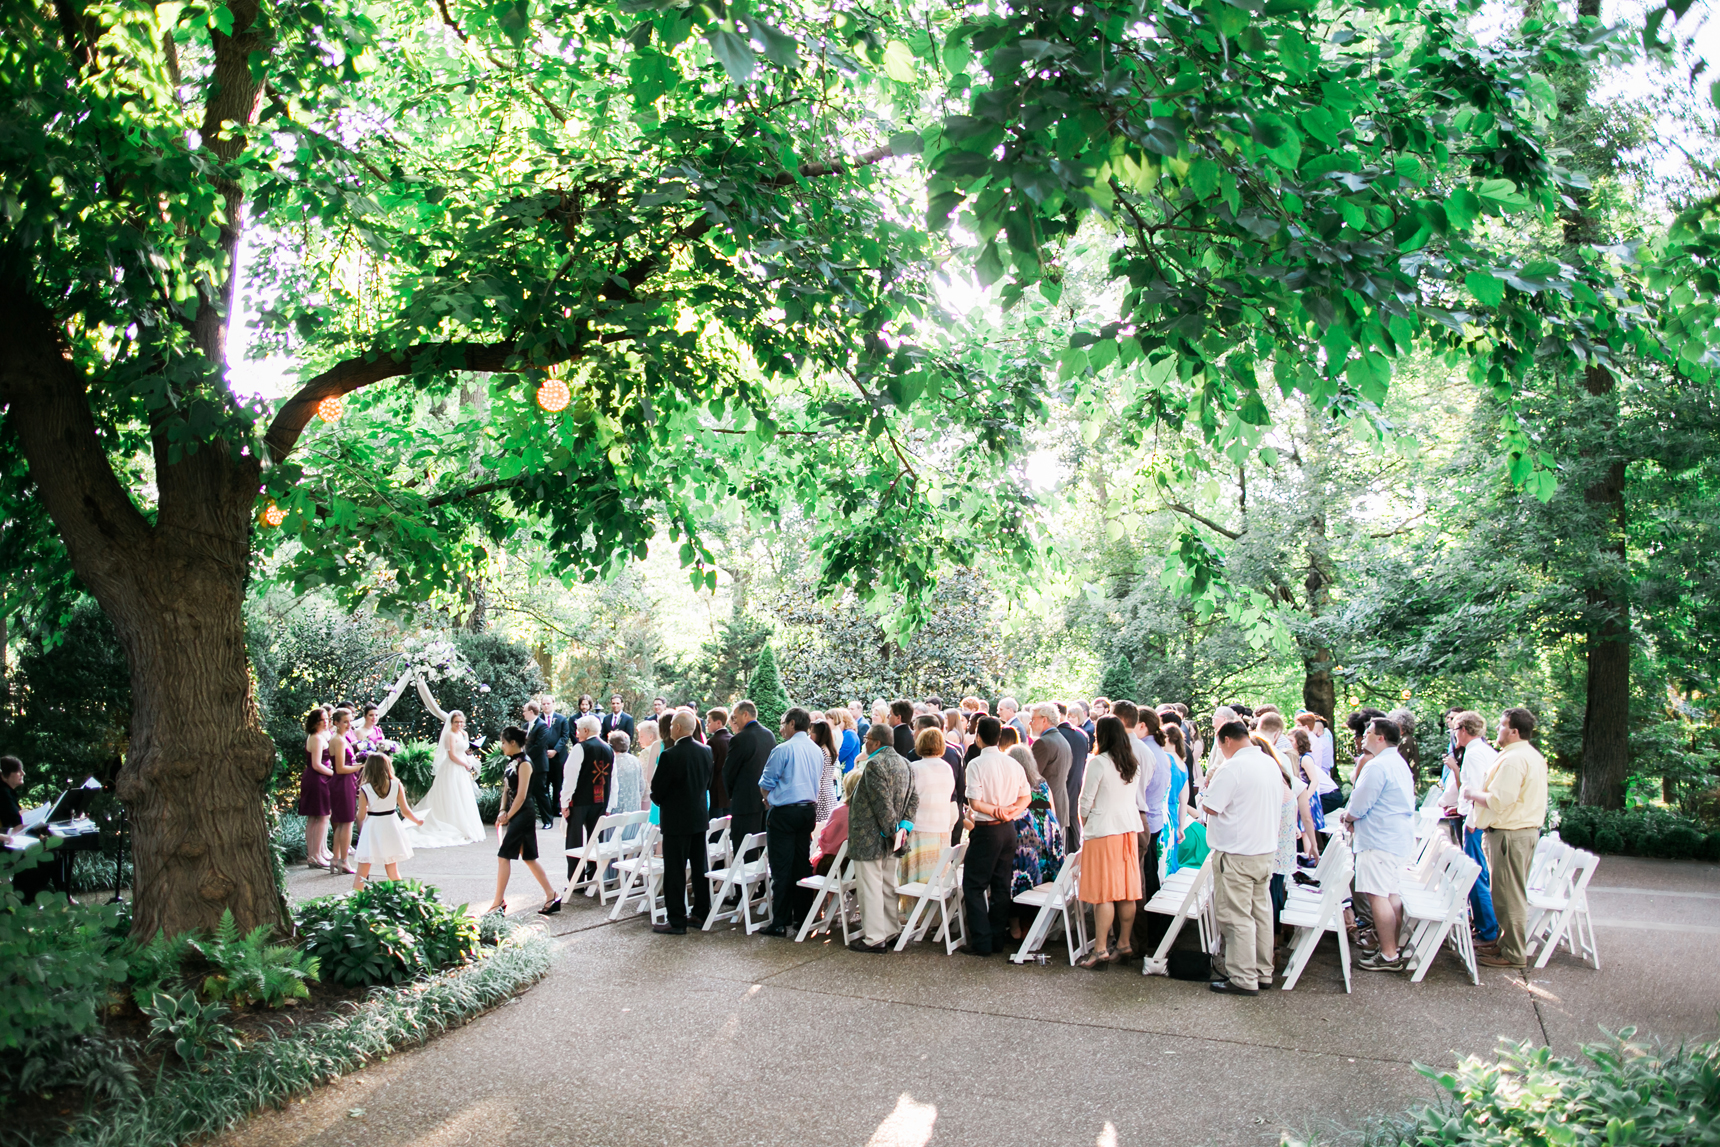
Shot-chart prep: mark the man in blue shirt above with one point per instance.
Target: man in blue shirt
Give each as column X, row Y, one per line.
column 1381, row 814
column 790, row 788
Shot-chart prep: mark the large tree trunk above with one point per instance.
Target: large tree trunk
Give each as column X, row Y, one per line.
column 174, row 590
column 1606, row 712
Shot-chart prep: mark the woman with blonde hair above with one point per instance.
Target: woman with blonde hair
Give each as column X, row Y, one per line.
column 935, row 781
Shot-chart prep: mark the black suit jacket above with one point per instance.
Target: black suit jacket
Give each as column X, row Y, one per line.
column 679, row 787
column 558, row 731
column 904, row 743
column 749, row 749
column 719, row 759
column 622, row 721
column 1079, row 747
column 537, row 747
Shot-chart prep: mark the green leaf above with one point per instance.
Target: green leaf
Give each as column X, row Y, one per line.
column 989, row 268
column 1203, row 177
column 1461, row 208
column 1488, row 290
column 907, row 143
column 779, row 47
column 1503, row 194
column 899, row 62
column 1318, row 122
column 221, row 19
column 734, row 53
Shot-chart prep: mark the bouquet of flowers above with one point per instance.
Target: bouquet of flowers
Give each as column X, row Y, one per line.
column 435, row 660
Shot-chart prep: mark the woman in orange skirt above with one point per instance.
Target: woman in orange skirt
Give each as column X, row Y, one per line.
column 1110, row 823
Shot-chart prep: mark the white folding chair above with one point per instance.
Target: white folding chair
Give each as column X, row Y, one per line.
column 832, row 893
column 1441, row 912
column 1547, row 868
column 717, row 843
column 1194, row 902
column 1054, row 899
column 943, row 889
column 641, row 877
column 747, row 879
column 1562, row 914
column 603, row 846
column 1427, row 817
column 1313, row 918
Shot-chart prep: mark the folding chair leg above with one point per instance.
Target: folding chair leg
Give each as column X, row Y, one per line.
column 1301, row 951
column 1424, row 959
column 1555, row 936
column 1344, row 952
column 1036, row 935
column 911, row 929
column 1159, row 963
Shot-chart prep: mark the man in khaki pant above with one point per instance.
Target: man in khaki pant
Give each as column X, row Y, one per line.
column 1509, row 811
column 1242, row 800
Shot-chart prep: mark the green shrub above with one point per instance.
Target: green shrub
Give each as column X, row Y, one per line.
column 1656, row 832
column 249, row 969
column 489, row 804
column 193, row 1030
column 57, row 960
column 290, row 838
column 194, row 1106
column 386, row 933
column 415, row 765
column 156, row 966
column 766, row 691
column 1623, row 1094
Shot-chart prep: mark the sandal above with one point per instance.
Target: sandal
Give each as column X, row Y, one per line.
column 502, row 908
column 1094, row 959
column 1118, row 955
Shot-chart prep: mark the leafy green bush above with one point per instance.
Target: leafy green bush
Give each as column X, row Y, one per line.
column 156, row 966
column 1656, row 832
column 56, row 959
column 290, row 837
column 193, row 1030
column 1623, row 1094
column 184, row 1107
column 766, row 691
column 249, row 969
column 489, row 803
column 415, row 765
column 386, row 933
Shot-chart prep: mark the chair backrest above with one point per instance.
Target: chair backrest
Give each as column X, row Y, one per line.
column 839, row 861
column 943, row 877
column 1334, row 890
column 1458, row 874
column 717, row 834
column 1069, row 876
column 1549, row 867
column 750, row 842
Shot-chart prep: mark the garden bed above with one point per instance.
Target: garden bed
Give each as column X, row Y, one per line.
column 282, row 1054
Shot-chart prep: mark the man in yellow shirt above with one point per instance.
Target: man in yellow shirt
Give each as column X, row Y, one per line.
column 1510, row 811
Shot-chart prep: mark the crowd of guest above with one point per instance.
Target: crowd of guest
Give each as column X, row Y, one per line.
column 1139, row 791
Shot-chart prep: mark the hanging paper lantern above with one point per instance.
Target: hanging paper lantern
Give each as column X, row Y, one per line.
column 274, row 515
column 331, row 408
column 554, row 396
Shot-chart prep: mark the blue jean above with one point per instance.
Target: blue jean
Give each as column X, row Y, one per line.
column 1481, row 895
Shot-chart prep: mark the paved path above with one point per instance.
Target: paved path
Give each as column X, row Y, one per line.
column 718, row 1039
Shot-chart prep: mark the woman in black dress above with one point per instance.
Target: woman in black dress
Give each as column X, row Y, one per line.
column 519, row 833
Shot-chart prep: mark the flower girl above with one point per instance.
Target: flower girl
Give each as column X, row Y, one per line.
column 383, row 841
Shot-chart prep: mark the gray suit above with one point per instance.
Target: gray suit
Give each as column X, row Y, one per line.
column 1051, row 755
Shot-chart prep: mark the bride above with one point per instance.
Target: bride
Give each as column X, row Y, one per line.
column 450, row 808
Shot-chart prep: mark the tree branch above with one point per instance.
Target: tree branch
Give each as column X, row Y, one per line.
column 473, row 492
column 1233, row 535
column 835, row 167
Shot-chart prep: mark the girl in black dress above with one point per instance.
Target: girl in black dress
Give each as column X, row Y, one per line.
column 519, row 833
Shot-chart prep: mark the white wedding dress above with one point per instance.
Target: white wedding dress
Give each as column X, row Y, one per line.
column 450, row 808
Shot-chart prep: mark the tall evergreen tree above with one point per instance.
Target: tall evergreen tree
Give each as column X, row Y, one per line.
column 1119, row 681
column 766, row 690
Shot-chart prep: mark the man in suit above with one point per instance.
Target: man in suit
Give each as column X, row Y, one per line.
column 1079, row 747
column 902, row 728
column 558, row 741
column 585, row 795
column 618, row 718
column 678, row 789
column 537, row 751
column 749, row 749
column 1051, row 757
column 717, row 733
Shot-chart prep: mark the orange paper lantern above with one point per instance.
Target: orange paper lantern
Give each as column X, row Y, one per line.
column 330, row 409
column 274, row 515
column 554, row 396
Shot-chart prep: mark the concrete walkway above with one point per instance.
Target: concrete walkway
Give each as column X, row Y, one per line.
column 723, row 1039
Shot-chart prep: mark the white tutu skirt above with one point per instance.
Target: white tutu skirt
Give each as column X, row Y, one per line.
column 449, row 811
column 382, row 841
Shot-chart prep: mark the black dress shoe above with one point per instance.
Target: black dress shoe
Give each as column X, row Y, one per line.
column 974, row 952
column 551, row 908
column 1226, row 988
column 775, row 930
column 547, row 824
column 863, row 946
column 668, row 930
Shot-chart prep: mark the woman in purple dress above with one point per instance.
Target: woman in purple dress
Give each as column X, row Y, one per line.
column 343, row 790
column 314, row 789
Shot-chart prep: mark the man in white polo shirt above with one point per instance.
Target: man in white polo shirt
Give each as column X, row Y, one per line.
column 1243, row 800
column 1381, row 816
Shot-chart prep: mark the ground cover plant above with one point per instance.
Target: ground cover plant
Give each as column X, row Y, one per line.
column 1616, row 1093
